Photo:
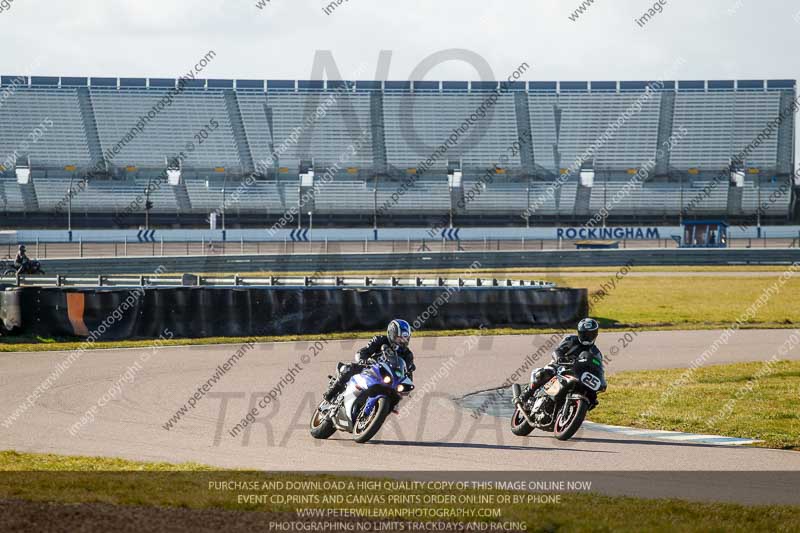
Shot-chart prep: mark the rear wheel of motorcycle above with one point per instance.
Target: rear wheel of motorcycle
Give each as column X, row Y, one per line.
column 366, row 426
column 570, row 419
column 520, row 426
column 321, row 425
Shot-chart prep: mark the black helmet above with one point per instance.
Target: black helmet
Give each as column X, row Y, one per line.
column 22, row 248
column 588, row 329
column 399, row 332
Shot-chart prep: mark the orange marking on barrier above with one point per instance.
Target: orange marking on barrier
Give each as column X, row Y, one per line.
column 75, row 307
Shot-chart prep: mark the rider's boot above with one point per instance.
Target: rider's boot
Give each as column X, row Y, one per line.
column 526, row 394
column 334, row 387
column 330, row 394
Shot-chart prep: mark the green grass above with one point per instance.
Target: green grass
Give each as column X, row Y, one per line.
column 703, row 404
column 39, row 477
column 699, row 301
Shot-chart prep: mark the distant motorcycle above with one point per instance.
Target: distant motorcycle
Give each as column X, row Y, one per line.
column 31, row 268
column 367, row 400
column 561, row 404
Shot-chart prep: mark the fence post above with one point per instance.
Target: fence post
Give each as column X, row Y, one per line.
column 126, row 246
column 162, row 246
column 80, row 247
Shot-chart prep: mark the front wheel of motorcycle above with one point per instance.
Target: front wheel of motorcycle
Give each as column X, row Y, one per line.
column 321, row 425
column 519, row 426
column 570, row 418
column 367, row 425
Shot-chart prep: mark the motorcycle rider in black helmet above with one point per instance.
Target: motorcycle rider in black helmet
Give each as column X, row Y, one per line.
column 398, row 338
column 21, row 261
column 565, row 354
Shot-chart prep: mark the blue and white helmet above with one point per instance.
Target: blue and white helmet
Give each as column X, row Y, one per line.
column 399, row 332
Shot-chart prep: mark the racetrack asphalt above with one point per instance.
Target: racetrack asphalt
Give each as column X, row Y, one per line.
column 434, row 435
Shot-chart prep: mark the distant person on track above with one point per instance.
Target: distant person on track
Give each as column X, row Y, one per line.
column 398, row 338
column 566, row 354
column 21, row 261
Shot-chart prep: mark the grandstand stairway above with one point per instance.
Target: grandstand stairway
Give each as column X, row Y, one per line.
column 735, row 195
column 239, row 134
column 378, row 132
column 524, row 134
column 182, row 197
column 457, row 202
column 667, row 114
column 583, row 196
column 785, row 137
column 90, row 125
column 29, row 198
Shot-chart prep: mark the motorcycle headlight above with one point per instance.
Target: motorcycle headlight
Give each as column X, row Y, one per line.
column 387, row 379
column 401, row 388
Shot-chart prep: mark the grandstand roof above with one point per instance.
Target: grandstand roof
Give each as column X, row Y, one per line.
column 427, row 85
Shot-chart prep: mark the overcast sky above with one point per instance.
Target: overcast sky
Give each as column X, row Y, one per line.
column 708, row 39
column 164, row 38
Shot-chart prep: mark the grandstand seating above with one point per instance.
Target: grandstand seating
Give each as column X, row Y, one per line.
column 585, row 118
column 273, row 197
column 63, row 143
column 720, row 126
column 325, row 139
column 773, row 198
column 170, row 132
column 417, row 124
column 274, row 128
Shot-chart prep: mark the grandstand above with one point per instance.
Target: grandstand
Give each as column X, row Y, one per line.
column 351, row 148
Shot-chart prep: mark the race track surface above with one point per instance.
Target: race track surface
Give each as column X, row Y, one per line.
column 435, row 434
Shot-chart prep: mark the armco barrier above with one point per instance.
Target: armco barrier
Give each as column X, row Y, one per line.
column 112, row 314
column 422, row 261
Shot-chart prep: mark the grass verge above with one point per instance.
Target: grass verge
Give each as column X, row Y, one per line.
column 746, row 400
column 40, row 477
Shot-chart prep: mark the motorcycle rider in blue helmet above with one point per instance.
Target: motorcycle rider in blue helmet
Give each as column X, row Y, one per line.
column 398, row 338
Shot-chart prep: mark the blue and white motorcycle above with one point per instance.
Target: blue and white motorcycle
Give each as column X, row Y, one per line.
column 367, row 400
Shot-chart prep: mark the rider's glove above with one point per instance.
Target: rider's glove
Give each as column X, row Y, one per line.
column 412, row 367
